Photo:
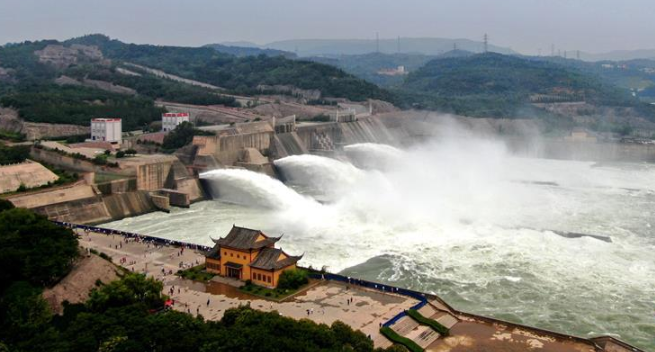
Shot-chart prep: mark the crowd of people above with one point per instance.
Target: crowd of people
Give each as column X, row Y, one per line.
column 130, row 236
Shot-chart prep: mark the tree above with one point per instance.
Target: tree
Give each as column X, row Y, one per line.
column 100, row 159
column 13, row 155
column 24, row 313
column 5, row 205
column 33, row 248
column 131, row 289
column 182, row 135
column 292, row 279
column 120, row 154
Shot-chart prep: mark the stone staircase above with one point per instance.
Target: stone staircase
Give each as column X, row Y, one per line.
column 404, row 326
column 422, row 335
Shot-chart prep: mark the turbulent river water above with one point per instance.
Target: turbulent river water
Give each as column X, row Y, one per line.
column 466, row 221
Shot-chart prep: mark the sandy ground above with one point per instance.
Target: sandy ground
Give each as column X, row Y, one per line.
column 75, row 287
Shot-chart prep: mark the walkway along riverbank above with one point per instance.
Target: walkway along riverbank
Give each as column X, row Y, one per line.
column 431, row 306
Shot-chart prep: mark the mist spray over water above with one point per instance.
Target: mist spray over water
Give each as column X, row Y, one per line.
column 450, row 216
column 328, row 176
column 374, row 155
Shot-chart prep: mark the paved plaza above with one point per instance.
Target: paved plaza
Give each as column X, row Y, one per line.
column 324, row 302
column 328, row 301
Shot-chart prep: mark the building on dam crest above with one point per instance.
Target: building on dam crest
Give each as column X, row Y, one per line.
column 247, row 254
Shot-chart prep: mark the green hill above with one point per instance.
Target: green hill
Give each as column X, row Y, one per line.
column 70, row 86
column 498, row 85
column 368, row 66
column 249, row 51
column 240, row 75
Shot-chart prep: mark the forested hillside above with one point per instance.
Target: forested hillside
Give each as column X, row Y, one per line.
column 249, row 51
column 498, row 85
column 240, row 75
column 367, row 66
column 72, row 81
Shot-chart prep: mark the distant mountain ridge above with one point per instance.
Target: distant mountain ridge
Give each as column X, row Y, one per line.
column 335, row 47
column 246, row 50
column 619, row 55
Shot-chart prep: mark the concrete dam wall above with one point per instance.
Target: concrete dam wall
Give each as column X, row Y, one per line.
column 99, row 209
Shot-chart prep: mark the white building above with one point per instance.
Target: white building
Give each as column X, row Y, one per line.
column 109, row 130
column 170, row 120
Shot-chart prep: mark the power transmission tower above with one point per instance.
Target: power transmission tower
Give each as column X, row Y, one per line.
column 539, row 51
column 552, row 49
column 486, row 43
column 577, row 54
column 454, row 46
column 377, row 42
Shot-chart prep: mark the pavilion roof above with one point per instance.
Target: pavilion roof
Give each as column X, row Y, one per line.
column 274, row 259
column 245, row 239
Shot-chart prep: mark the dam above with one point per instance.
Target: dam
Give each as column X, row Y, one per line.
column 472, row 218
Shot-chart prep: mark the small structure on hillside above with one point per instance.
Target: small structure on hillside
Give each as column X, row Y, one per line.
column 248, row 254
column 285, row 124
column 398, row 71
column 171, row 120
column 581, row 135
column 347, row 115
column 108, row 130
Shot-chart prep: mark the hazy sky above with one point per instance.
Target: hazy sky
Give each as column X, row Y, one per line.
column 523, row 25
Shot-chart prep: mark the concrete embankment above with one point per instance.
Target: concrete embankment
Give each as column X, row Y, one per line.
column 93, row 208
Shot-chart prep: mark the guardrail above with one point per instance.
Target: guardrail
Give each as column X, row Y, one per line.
column 151, row 239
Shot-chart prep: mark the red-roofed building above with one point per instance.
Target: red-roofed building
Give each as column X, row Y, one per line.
column 170, row 120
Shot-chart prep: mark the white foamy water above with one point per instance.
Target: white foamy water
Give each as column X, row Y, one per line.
column 327, row 176
column 463, row 220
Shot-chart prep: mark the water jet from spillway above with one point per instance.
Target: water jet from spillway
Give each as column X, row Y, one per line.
column 321, row 173
column 249, row 188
